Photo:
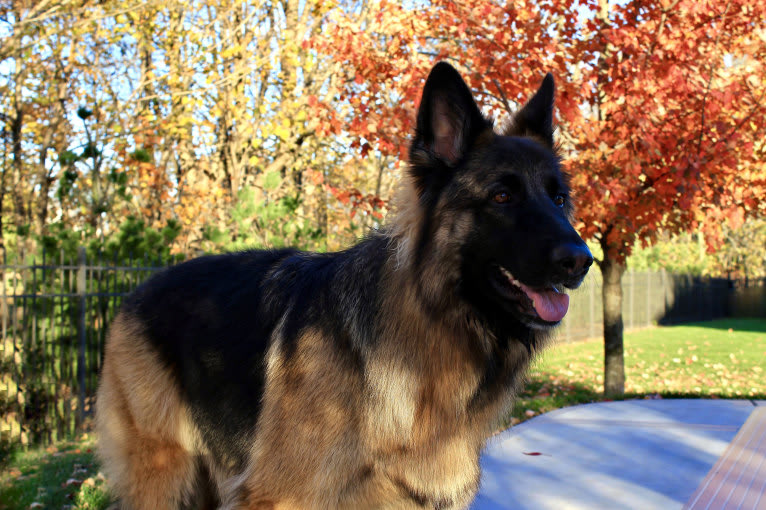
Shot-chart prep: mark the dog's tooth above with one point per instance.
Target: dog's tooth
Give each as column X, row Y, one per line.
column 510, row 277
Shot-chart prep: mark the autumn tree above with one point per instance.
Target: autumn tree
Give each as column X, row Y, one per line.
column 208, row 114
column 227, row 99
column 660, row 104
column 675, row 133
column 36, row 81
column 63, row 114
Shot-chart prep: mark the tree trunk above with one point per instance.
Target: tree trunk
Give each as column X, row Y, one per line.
column 2, row 196
column 614, row 362
column 17, row 123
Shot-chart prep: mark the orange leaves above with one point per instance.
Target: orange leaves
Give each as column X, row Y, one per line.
column 736, row 217
column 367, row 204
column 670, row 122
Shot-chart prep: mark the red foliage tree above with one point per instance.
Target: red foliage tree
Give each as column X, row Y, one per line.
column 660, row 104
column 676, row 133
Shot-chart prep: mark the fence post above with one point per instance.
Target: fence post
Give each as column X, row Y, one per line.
column 648, row 298
column 592, row 299
column 632, row 283
column 664, row 295
column 81, row 333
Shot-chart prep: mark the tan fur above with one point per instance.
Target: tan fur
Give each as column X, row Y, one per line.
column 413, row 416
column 306, row 441
column 440, row 455
column 146, row 440
column 406, row 220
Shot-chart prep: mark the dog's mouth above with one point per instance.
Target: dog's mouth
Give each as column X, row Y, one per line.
column 543, row 305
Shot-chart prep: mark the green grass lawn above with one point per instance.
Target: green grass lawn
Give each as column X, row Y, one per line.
column 62, row 476
column 719, row 359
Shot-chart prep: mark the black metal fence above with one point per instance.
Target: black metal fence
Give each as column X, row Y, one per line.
column 657, row 297
column 54, row 315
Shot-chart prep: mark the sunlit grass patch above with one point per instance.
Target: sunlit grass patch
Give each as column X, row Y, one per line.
column 717, row 359
column 63, row 476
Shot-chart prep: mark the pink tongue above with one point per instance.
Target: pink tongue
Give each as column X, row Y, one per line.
column 550, row 305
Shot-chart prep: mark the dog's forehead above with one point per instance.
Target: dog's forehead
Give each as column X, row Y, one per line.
column 515, row 155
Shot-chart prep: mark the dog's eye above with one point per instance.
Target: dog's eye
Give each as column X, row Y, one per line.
column 560, row 200
column 501, row 197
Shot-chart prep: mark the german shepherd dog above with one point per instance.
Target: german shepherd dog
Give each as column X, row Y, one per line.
column 368, row 378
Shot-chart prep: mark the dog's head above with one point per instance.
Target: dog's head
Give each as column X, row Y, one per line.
column 500, row 199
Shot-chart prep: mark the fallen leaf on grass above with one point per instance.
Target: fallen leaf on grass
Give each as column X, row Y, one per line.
column 79, row 469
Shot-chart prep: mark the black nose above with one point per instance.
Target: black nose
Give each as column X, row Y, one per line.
column 572, row 259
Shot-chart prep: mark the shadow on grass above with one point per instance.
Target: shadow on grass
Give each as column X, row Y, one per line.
column 753, row 325
column 679, row 395
column 546, row 391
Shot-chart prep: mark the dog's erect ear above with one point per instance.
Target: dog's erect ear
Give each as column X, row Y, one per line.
column 536, row 117
column 448, row 119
